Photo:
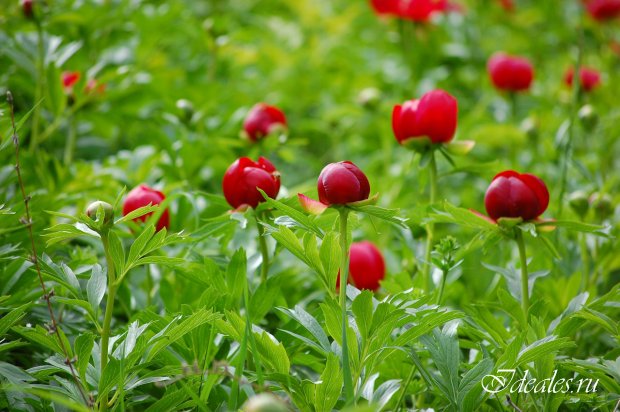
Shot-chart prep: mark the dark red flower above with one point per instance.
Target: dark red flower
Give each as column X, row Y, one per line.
column 510, row 73
column 603, row 9
column 245, row 176
column 28, row 8
column 508, row 5
column 589, row 78
column 386, row 7
column 262, row 120
column 420, row 10
column 141, row 196
column 366, row 266
column 433, row 116
column 341, row 183
column 69, row 79
column 512, row 194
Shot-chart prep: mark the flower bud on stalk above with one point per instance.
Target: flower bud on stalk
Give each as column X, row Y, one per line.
column 108, row 212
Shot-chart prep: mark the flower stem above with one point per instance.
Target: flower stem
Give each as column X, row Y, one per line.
column 70, row 145
column 264, row 250
column 568, row 145
column 38, row 92
column 344, row 274
column 430, row 227
column 585, row 261
column 109, row 309
column 444, row 275
column 248, row 331
column 525, row 298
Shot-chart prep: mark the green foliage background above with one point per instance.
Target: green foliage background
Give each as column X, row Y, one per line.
column 183, row 312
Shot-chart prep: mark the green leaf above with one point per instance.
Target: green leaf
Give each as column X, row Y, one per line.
column 330, row 259
column 463, row 217
column 577, row 227
column 139, row 245
column 389, row 215
column 96, row 287
column 83, row 349
column 328, row 389
column 303, row 221
column 311, row 324
column 11, row 318
column 543, row 347
column 173, row 333
column 137, row 213
column 236, row 277
column 117, row 252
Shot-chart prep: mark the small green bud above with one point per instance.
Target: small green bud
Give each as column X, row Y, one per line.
column 578, row 201
column 108, row 212
column 588, row 117
column 264, row 402
column 186, row 108
column 602, row 205
column 529, row 126
column 369, row 97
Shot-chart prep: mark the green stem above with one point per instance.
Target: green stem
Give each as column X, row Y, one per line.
column 568, row 146
column 525, row 294
column 70, row 144
column 585, row 261
column 442, row 285
column 109, row 309
column 248, row 330
column 430, row 228
column 38, row 93
column 401, row 398
column 344, row 274
column 264, row 250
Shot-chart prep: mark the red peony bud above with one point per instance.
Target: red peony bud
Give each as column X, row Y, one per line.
column 69, row 79
column 603, row 9
column 386, row 7
column 28, row 8
column 512, row 194
column 366, row 266
column 433, row 116
column 244, row 176
column 508, row 5
column 589, row 78
column 341, row 183
column 510, row 73
column 142, row 196
column 262, row 120
column 418, row 10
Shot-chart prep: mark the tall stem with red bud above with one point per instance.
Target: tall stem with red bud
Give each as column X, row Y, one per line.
column 430, row 228
column 525, row 290
column 344, row 274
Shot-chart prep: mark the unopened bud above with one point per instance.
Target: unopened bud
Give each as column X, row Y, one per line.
column 108, row 212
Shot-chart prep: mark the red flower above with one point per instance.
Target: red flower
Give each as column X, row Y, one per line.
column 141, row 196
column 510, row 73
column 512, row 194
column 386, row 7
column 508, row 5
column 93, row 86
column 366, row 266
column 28, row 8
column 421, row 11
column 589, row 78
column 244, row 177
column 262, row 120
column 603, row 9
column 341, row 183
column 433, row 116
column 69, row 79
